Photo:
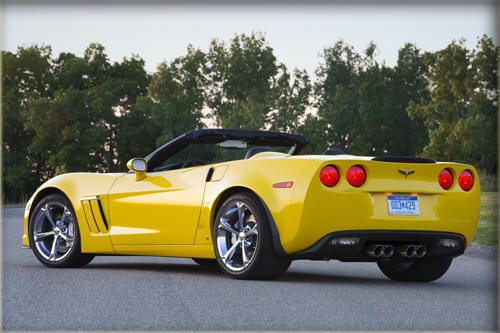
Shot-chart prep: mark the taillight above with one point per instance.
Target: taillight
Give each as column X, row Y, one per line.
column 329, row 175
column 356, row 176
column 445, row 179
column 466, row 180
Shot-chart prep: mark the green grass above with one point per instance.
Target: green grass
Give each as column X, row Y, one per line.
column 487, row 228
column 488, row 182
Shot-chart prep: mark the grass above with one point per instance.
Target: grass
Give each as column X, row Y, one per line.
column 489, row 182
column 487, row 228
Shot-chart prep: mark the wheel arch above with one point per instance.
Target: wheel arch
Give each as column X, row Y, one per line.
column 44, row 193
column 224, row 195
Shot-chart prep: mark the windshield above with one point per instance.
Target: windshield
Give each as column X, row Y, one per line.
column 210, row 153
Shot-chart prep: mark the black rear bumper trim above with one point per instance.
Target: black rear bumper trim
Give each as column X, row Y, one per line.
column 322, row 249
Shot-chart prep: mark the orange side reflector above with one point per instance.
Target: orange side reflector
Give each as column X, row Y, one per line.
column 283, row 185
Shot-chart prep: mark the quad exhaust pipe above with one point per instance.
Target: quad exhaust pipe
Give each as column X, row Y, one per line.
column 380, row 251
column 386, row 251
column 412, row 251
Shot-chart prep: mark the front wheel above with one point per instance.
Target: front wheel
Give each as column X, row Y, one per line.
column 415, row 270
column 53, row 233
column 242, row 240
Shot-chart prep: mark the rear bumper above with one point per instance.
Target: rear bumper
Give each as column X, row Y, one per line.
column 324, row 249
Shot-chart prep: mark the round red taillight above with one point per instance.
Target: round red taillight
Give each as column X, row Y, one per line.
column 329, row 175
column 466, row 180
column 356, row 176
column 445, row 179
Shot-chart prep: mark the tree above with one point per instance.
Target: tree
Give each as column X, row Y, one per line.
column 77, row 127
column 409, row 85
column 461, row 114
column 363, row 103
column 337, row 101
column 239, row 91
column 27, row 74
column 291, row 100
column 177, row 95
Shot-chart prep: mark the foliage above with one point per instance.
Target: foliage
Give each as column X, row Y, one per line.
column 64, row 113
column 461, row 115
column 363, row 103
column 239, row 81
column 177, row 95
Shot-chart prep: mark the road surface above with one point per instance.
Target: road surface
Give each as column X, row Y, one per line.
column 148, row 293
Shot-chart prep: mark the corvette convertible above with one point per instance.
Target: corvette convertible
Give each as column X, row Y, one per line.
column 248, row 202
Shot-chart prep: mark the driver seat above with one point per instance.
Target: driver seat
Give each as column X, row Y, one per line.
column 255, row 150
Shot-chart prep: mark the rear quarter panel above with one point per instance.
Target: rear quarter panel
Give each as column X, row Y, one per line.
column 257, row 175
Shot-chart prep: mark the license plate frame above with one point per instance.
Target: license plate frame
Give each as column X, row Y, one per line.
column 403, row 205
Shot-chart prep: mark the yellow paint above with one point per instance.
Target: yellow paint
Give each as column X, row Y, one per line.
column 171, row 213
column 167, row 203
column 219, row 172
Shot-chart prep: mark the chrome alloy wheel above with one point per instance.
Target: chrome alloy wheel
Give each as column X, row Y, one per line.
column 54, row 231
column 237, row 236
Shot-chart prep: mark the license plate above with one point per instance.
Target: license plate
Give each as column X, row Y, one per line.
column 403, row 205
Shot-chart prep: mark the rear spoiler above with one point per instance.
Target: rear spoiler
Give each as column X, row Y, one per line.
column 403, row 159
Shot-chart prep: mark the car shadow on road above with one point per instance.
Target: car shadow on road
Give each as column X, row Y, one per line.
column 306, row 277
column 157, row 267
column 330, row 278
column 289, row 277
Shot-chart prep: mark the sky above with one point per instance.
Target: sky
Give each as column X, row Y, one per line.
column 297, row 32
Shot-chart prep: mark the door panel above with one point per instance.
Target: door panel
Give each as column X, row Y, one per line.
column 162, row 208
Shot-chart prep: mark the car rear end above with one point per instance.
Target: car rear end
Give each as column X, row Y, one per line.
column 363, row 208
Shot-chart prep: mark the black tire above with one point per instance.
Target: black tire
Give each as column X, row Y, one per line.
column 205, row 262
column 72, row 257
column 415, row 270
column 264, row 263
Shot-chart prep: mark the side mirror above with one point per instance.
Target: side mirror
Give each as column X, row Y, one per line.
column 139, row 166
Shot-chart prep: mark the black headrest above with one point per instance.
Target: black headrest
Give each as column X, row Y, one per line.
column 333, row 152
column 254, row 150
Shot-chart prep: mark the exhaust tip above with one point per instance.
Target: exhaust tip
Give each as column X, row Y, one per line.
column 375, row 250
column 420, row 251
column 388, row 251
column 412, row 251
column 380, row 250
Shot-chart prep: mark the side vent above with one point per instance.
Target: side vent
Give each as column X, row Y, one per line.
column 94, row 215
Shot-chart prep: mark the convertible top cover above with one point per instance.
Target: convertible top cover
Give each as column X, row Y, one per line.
column 217, row 135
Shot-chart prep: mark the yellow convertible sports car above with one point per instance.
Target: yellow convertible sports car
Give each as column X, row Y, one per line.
column 247, row 202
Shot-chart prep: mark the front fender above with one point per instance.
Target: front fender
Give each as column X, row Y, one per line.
column 75, row 186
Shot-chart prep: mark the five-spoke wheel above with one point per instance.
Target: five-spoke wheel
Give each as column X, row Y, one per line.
column 53, row 232
column 242, row 240
column 237, row 236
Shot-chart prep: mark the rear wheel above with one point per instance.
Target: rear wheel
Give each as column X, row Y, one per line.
column 415, row 270
column 54, row 235
column 242, row 240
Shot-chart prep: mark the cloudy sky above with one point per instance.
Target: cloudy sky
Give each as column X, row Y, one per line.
column 161, row 32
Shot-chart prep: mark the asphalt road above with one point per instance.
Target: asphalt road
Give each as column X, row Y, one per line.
column 175, row 294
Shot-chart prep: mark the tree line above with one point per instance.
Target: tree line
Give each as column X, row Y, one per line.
column 64, row 113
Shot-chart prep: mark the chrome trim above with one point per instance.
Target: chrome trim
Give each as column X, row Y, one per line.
column 93, row 197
